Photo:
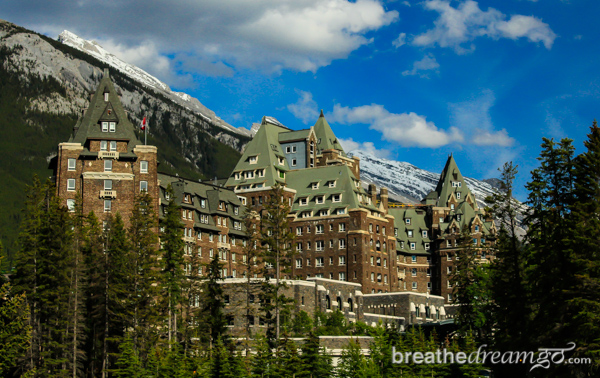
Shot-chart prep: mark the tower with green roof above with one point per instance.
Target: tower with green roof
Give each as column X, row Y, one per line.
column 104, row 163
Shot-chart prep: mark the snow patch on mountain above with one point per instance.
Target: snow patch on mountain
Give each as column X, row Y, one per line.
column 94, row 49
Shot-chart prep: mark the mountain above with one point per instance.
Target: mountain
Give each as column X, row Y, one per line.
column 46, row 84
column 94, row 49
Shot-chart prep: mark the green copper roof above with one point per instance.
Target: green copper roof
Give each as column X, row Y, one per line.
column 90, row 127
column 326, row 139
column 294, row 135
column 265, row 148
column 411, row 232
column 445, row 187
column 330, row 181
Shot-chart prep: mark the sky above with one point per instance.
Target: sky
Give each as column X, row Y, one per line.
column 406, row 80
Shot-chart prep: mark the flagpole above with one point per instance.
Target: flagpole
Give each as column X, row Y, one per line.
column 145, row 134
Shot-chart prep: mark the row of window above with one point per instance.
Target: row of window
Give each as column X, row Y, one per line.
column 323, row 213
column 320, row 262
column 109, row 126
column 319, row 200
column 71, row 165
column 320, row 245
column 72, row 184
column 330, row 184
column 379, row 277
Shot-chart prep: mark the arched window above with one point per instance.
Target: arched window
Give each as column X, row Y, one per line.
column 378, row 245
column 350, row 305
column 327, row 302
column 339, row 301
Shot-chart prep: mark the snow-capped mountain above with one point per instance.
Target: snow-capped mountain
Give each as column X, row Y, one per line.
column 408, row 183
column 94, row 49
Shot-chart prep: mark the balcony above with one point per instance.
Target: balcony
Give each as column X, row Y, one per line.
column 108, row 194
column 108, row 155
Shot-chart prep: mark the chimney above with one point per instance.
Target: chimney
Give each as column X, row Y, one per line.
column 383, row 195
column 356, row 167
column 373, row 193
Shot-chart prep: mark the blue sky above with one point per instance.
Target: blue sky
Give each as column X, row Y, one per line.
column 407, row 80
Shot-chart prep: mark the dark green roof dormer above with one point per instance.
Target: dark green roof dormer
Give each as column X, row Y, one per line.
column 326, row 139
column 105, row 118
column 451, row 184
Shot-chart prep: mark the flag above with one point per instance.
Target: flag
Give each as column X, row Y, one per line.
column 143, row 125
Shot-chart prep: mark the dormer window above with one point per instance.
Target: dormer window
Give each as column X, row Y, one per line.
column 237, row 175
column 341, row 211
column 281, row 160
column 476, row 228
column 425, row 233
column 320, row 199
column 303, row 201
column 457, row 195
column 407, row 220
column 315, row 185
column 331, row 184
column 104, row 127
column 410, row 233
column 112, row 126
column 106, row 96
column 261, row 173
column 253, row 159
column 337, row 198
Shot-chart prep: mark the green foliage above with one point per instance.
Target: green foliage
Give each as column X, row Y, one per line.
column 212, row 316
column 15, row 331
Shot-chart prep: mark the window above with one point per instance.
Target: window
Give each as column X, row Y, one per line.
column 304, row 201
column 71, row 205
column 428, row 272
column 342, row 260
column 483, row 255
column 143, row 186
column 299, row 231
column 342, row 277
column 319, row 262
column 449, row 270
column 475, row 241
column 414, row 259
column 427, row 246
column 319, row 229
column 323, row 213
column 379, row 261
column 449, row 285
column 107, row 165
column 378, row 277
column 107, row 184
column 458, row 195
column 106, row 96
column 372, row 276
column 107, row 206
column 337, row 198
column 409, row 233
column 319, row 245
column 71, row 185
column 320, row 199
column 370, row 227
column 341, row 211
column 449, row 297
column 299, row 247
column 342, row 243
column 315, row 185
column 396, row 232
column 424, row 234
column 413, row 272
column 71, row 164
column 342, row 227
column 104, row 127
column 202, row 203
column 384, row 263
column 253, row 159
column 294, row 162
column 414, row 287
column 298, row 263
column 143, row 166
column 331, row 184
column 103, row 145
column 331, row 261
column 112, row 127
column 281, row 160
column 407, row 220
column 385, row 279
column 413, row 246
column 451, row 206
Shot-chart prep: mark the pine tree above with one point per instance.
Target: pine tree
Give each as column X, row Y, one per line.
column 510, row 291
column 172, row 246
column 144, row 268
column 471, row 289
column 129, row 365
column 212, row 302
column 262, row 361
column 15, row 330
column 314, row 361
column 278, row 238
column 253, row 258
column 584, row 303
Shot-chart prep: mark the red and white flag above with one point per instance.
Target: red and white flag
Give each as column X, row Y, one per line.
column 144, row 124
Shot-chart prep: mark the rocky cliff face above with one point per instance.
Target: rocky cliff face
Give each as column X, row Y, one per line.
column 142, row 95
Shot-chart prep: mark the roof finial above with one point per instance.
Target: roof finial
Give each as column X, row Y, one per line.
column 321, row 114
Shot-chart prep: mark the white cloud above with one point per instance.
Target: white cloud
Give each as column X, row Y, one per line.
column 400, row 41
column 369, row 147
column 269, row 35
column 457, row 26
column 305, row 108
column 421, row 67
column 145, row 56
column 474, row 119
column 406, row 129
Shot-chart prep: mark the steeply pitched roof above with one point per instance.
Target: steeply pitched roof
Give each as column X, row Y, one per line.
column 419, row 222
column 445, row 188
column 326, row 139
column 89, row 127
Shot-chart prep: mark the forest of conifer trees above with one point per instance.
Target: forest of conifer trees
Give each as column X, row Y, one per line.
column 101, row 299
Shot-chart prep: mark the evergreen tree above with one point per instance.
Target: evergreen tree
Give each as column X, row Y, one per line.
column 471, row 289
column 262, row 361
column 584, row 304
column 129, row 365
column 172, row 246
column 143, row 313
column 353, row 364
column 510, row 291
column 15, row 331
column 212, row 302
column 253, row 258
column 314, row 361
column 278, row 238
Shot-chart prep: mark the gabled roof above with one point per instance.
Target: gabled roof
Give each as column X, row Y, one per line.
column 89, row 127
column 345, row 185
column 444, row 188
column 326, row 139
column 266, row 149
column 418, row 223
